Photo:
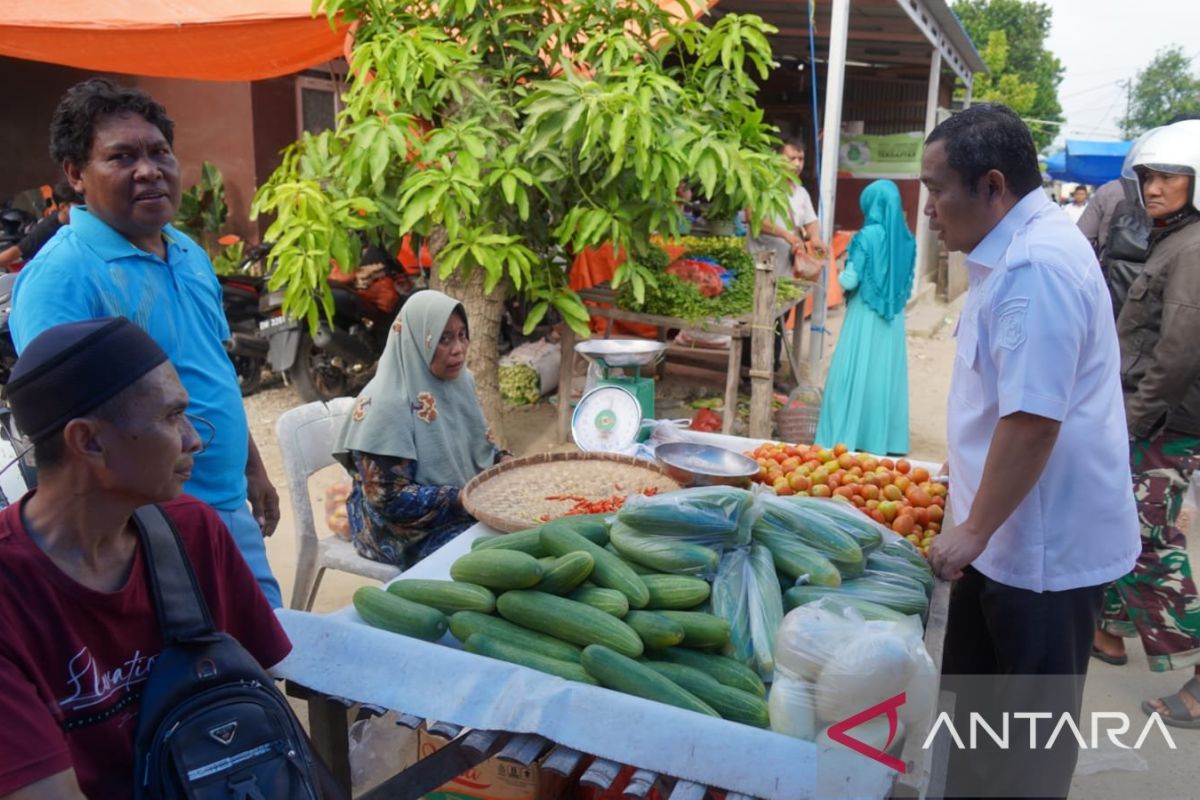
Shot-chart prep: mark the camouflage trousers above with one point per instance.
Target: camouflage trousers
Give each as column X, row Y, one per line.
column 1158, row 601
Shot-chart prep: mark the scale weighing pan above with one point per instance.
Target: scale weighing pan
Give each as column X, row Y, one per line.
column 621, row 352
column 607, row 419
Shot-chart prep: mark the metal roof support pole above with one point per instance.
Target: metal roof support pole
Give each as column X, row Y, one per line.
column 835, row 81
column 926, row 246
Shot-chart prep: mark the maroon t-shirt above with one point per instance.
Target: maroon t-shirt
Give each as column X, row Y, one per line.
column 72, row 660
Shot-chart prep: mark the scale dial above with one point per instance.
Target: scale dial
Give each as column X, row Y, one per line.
column 606, row 419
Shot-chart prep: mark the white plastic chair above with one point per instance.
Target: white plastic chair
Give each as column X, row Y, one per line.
column 306, row 438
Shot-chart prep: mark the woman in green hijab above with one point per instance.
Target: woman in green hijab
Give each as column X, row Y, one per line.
column 415, row 437
column 865, row 405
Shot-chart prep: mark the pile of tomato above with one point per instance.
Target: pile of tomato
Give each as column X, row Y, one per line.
column 891, row 492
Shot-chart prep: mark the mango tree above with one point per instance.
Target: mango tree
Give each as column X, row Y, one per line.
column 514, row 134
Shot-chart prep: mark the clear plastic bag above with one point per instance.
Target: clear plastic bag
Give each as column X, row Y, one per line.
column 783, row 516
column 867, row 532
column 850, row 664
column 746, row 593
column 714, row 516
column 671, row 554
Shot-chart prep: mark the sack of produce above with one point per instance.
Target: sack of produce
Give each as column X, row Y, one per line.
column 792, row 707
column 782, row 517
column 529, row 372
column 746, row 593
column 714, row 516
column 831, row 663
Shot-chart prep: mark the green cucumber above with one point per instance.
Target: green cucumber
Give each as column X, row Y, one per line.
column 610, row 571
column 497, row 569
column 566, row 573
column 380, row 609
column 656, row 630
column 726, row 670
column 701, row 629
column 610, row 601
column 569, row 620
column 676, row 592
column 617, row 671
column 465, row 624
column 446, row 596
column 502, row 650
column 730, row 703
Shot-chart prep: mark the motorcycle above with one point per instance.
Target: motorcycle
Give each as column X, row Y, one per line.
column 241, row 297
column 338, row 359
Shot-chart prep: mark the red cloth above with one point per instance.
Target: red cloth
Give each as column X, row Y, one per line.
column 72, row 656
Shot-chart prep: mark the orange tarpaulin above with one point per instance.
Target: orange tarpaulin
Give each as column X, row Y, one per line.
column 230, row 40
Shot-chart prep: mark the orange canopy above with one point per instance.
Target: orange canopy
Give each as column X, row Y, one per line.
column 229, row 40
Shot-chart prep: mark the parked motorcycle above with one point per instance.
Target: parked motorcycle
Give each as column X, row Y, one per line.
column 338, row 359
column 242, row 297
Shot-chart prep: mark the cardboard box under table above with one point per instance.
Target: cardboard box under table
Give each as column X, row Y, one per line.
column 338, row 661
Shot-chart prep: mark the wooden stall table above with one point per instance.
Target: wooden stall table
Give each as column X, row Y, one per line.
column 602, row 303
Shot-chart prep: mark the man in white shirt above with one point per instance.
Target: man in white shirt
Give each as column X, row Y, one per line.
column 801, row 232
column 1038, row 448
column 1078, row 204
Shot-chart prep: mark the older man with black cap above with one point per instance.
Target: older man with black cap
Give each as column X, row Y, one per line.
column 106, row 414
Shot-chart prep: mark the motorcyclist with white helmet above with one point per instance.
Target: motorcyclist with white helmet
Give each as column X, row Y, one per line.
column 1159, row 329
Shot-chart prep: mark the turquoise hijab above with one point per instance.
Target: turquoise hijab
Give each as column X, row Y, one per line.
column 408, row 412
column 883, row 252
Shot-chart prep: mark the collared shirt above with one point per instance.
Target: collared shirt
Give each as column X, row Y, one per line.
column 89, row 270
column 1036, row 335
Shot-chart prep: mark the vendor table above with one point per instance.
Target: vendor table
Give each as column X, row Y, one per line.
column 486, row 707
column 602, row 303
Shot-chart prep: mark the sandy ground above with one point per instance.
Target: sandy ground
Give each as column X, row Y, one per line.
column 1156, row 771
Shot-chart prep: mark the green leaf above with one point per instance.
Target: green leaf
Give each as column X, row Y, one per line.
column 508, row 184
column 534, row 317
column 380, row 155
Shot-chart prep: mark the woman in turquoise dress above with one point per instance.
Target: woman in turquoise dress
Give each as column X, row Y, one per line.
column 865, row 405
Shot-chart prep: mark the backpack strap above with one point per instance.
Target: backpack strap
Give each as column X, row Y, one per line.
column 180, row 607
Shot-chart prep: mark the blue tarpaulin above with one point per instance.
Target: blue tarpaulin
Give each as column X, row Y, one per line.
column 1088, row 162
column 1056, row 166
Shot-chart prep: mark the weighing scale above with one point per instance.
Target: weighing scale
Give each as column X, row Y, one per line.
column 608, row 419
column 614, row 359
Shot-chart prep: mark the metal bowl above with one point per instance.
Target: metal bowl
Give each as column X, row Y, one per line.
column 621, row 352
column 705, row 465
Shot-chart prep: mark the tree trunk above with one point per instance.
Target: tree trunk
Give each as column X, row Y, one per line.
column 484, row 313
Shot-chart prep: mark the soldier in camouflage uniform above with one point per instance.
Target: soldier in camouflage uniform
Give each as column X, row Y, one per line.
column 1158, row 329
column 1158, row 600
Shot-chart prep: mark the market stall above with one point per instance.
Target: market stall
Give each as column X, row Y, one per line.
column 485, row 706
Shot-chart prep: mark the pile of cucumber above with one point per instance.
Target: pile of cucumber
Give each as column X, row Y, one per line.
column 557, row 599
column 567, row 599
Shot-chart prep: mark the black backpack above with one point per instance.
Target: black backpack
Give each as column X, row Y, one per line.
column 1125, row 251
column 212, row 724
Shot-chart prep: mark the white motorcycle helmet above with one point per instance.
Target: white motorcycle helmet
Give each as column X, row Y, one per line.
column 1173, row 149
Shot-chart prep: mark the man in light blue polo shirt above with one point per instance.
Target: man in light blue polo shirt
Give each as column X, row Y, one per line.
column 119, row 256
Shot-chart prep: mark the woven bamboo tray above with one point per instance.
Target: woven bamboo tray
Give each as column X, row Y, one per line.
column 512, row 496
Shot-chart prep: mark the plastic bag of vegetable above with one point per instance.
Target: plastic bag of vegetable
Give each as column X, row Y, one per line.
column 853, row 663
column 746, row 593
column 867, row 532
column 782, row 516
column 792, row 707
column 714, row 516
column 670, row 554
